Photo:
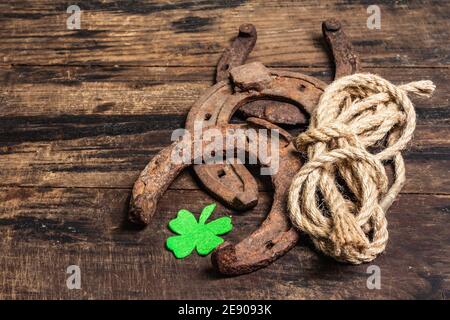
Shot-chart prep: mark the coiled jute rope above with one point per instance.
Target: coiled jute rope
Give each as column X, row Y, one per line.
column 341, row 195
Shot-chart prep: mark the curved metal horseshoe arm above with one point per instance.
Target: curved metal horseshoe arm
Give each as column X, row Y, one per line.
column 233, row 185
column 346, row 60
column 166, row 166
column 274, row 237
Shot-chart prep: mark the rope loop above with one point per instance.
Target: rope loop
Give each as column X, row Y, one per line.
column 340, row 196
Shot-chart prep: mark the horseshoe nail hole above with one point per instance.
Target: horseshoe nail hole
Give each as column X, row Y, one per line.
column 302, row 87
column 270, row 244
column 221, row 173
column 208, row 116
column 213, row 153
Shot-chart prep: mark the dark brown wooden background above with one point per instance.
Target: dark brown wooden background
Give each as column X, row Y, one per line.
column 82, row 112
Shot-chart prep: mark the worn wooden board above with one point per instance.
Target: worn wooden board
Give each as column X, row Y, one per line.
column 115, row 160
column 46, row 229
column 102, row 127
column 82, row 112
column 188, row 33
column 60, row 90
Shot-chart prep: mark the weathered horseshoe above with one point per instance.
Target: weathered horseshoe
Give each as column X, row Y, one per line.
column 238, row 52
column 275, row 237
column 346, row 61
column 233, row 185
column 162, row 170
column 249, row 83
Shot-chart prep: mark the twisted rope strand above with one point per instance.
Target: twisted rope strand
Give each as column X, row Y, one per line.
column 354, row 113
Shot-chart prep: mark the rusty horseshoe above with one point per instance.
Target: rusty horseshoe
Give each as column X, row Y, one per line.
column 249, row 84
column 232, row 184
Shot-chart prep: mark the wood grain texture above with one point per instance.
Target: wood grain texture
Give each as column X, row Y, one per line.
column 46, row 229
column 82, row 112
column 191, row 33
column 60, row 90
column 59, row 134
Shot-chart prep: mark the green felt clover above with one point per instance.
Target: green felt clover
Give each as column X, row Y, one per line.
column 196, row 235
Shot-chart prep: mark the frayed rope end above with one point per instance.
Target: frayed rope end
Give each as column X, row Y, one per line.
column 423, row 88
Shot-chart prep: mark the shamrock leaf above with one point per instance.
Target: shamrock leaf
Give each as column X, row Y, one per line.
column 199, row 235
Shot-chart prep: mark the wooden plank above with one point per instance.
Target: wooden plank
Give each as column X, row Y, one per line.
column 194, row 33
column 44, row 230
column 44, row 91
column 81, row 113
column 115, row 160
column 100, row 128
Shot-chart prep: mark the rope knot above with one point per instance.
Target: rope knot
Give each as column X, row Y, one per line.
column 325, row 134
column 341, row 195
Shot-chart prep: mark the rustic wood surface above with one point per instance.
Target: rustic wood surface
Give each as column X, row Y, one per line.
column 83, row 111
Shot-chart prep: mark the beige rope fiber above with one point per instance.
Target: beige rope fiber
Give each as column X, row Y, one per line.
column 340, row 196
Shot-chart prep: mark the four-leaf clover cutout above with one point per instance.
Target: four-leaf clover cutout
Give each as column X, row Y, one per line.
column 196, row 235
